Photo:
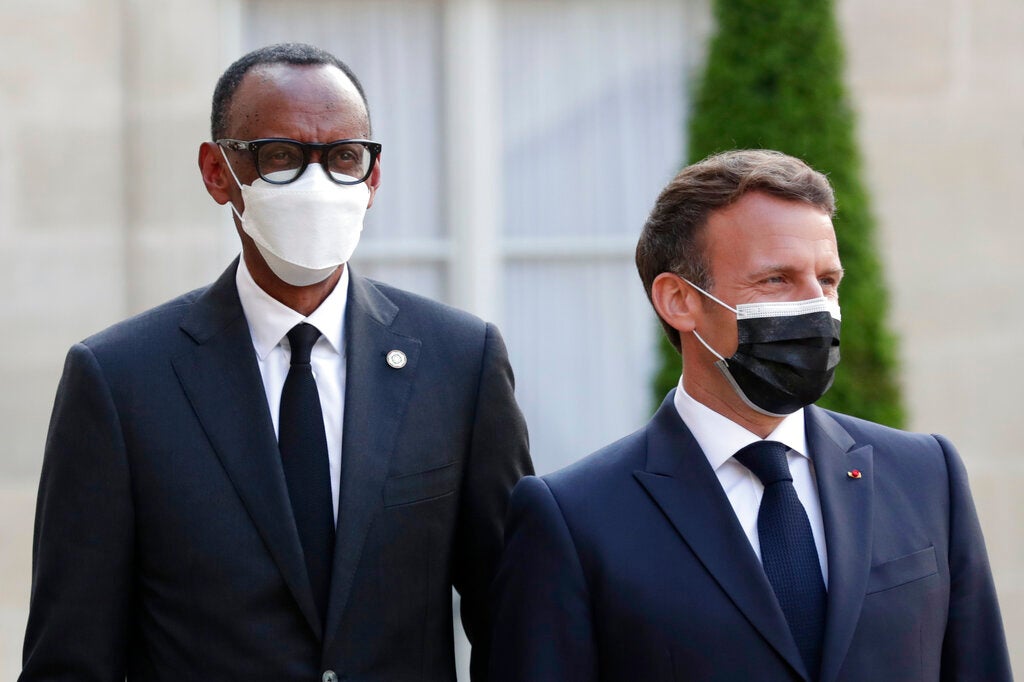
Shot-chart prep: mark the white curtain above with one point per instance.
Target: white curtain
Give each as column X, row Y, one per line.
column 592, row 101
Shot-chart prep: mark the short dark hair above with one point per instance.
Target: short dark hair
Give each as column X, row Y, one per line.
column 673, row 237
column 297, row 54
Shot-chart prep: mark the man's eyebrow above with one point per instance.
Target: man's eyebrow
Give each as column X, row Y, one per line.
column 772, row 269
column 780, row 268
column 836, row 272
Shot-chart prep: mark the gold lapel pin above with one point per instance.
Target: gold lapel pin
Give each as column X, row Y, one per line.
column 396, row 359
column 854, row 473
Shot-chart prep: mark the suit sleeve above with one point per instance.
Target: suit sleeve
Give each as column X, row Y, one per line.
column 82, row 581
column 499, row 457
column 543, row 623
column 974, row 647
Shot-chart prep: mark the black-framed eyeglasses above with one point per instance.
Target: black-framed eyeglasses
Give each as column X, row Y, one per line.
column 281, row 160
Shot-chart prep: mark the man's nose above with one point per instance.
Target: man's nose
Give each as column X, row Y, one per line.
column 811, row 289
column 315, row 157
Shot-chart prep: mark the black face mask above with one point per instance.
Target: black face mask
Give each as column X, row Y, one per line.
column 787, row 353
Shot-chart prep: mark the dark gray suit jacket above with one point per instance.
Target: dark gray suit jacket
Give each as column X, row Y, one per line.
column 631, row 565
column 165, row 547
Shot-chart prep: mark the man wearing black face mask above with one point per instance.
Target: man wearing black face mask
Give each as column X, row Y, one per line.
column 745, row 534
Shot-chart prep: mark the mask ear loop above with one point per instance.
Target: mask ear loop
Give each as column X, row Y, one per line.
column 232, row 171
column 719, row 302
column 710, row 349
column 716, row 300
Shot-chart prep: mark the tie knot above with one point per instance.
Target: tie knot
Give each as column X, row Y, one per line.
column 302, row 337
column 767, row 459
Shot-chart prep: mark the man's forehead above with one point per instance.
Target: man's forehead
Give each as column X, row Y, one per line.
column 313, row 89
column 269, row 78
column 763, row 228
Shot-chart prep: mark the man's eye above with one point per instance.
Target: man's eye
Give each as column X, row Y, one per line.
column 346, row 156
column 280, row 156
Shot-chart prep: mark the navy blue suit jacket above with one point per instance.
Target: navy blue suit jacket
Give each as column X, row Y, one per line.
column 631, row 565
column 165, row 545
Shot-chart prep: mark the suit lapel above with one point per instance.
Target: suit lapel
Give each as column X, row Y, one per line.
column 683, row 485
column 221, row 378
column 376, row 399
column 846, row 508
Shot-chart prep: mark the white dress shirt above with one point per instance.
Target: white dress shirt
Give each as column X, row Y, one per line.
column 720, row 438
column 269, row 323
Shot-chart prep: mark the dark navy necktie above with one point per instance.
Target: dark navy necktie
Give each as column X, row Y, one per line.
column 307, row 470
column 788, row 554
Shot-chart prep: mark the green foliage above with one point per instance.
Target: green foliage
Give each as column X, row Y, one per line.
column 773, row 80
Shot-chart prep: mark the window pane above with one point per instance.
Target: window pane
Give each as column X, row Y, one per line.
column 593, row 105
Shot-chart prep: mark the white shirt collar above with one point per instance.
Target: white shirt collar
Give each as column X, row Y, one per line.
column 270, row 320
column 720, row 438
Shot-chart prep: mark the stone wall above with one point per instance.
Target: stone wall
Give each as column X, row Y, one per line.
column 939, row 89
column 103, row 104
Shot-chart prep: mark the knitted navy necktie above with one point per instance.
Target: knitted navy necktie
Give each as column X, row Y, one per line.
column 788, row 554
column 307, row 470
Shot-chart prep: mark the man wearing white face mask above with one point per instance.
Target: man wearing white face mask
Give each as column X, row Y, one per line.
column 280, row 476
column 743, row 533
column 305, row 224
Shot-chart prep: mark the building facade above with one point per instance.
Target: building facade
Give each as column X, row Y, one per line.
column 524, row 143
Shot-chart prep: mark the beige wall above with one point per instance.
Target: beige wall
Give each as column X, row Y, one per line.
column 102, row 212
column 102, row 104
column 939, row 87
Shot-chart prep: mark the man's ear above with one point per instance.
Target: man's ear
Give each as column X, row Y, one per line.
column 677, row 302
column 216, row 175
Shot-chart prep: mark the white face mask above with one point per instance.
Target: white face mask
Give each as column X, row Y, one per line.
column 305, row 229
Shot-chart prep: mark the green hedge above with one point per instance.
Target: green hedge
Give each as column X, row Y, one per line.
column 773, row 80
